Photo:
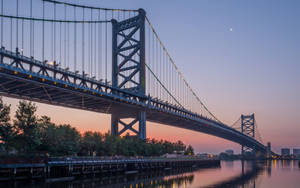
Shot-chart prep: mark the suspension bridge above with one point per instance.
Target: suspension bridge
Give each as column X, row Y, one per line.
column 104, row 60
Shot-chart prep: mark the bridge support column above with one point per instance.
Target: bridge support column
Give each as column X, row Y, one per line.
column 248, row 128
column 142, row 125
column 128, row 70
column 140, row 119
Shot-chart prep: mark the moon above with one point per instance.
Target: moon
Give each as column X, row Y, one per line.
column 230, row 29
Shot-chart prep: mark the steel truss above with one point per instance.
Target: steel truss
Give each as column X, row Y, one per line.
column 128, row 68
column 248, row 128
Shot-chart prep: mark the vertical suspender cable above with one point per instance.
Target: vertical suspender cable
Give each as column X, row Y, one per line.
column 11, row 30
column 149, row 61
column 157, row 69
column 68, row 45
column 153, row 60
column 106, row 47
column 95, row 49
column 91, row 44
column 17, row 27
column 32, row 38
column 164, row 74
column 75, row 33
column 160, row 74
column 99, row 45
column 2, row 23
column 65, row 36
column 83, row 42
column 52, row 41
column 22, row 50
column 89, row 48
column 43, row 33
column 31, row 28
column 54, row 32
column 60, row 60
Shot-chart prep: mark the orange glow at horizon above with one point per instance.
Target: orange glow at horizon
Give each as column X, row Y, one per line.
column 93, row 121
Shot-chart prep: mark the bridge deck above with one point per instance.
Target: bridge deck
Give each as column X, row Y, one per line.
column 27, row 78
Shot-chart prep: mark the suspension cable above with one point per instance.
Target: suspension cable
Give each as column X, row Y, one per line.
column 52, row 20
column 90, row 7
column 179, row 72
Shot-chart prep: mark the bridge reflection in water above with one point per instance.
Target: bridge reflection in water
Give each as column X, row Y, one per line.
column 248, row 177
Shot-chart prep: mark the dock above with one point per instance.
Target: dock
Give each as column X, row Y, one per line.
column 54, row 169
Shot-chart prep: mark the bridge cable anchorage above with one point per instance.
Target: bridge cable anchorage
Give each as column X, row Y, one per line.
column 178, row 72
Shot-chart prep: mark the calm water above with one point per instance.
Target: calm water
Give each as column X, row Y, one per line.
column 236, row 174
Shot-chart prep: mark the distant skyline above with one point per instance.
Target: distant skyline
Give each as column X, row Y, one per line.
column 241, row 57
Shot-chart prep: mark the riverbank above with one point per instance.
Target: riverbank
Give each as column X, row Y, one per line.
column 55, row 169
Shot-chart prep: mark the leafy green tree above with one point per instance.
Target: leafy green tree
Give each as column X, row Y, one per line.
column 48, row 135
column 28, row 138
column 67, row 140
column 7, row 132
column 91, row 142
column 110, row 144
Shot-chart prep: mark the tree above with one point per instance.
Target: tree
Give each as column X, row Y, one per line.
column 28, row 138
column 48, row 135
column 7, row 132
column 189, row 150
column 67, row 140
column 91, row 142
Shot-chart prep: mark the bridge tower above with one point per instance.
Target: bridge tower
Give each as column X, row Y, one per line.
column 128, row 55
column 248, row 128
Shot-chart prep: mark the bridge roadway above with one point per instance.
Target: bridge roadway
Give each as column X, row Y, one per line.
column 26, row 78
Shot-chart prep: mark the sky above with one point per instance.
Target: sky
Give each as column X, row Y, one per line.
column 241, row 57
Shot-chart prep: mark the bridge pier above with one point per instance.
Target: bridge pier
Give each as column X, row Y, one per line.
column 127, row 124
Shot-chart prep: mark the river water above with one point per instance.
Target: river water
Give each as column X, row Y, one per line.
column 231, row 174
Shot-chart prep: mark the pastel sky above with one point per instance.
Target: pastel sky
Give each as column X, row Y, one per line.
column 240, row 57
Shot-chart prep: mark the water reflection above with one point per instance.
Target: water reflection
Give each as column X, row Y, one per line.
column 232, row 174
column 246, row 179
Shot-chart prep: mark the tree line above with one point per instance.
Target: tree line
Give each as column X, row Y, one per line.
column 28, row 134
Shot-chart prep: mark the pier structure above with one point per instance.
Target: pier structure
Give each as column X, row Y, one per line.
column 70, row 168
